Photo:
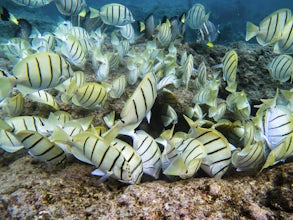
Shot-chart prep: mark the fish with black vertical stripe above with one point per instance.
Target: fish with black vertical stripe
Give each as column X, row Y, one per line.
column 39, row 71
column 140, row 103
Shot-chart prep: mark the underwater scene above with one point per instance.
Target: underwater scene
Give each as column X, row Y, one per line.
column 146, row 110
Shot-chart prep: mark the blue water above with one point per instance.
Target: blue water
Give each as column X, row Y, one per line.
column 230, row 15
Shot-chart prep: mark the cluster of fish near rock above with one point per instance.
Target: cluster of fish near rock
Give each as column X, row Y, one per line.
column 224, row 132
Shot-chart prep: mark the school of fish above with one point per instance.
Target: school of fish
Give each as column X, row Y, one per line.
column 222, row 133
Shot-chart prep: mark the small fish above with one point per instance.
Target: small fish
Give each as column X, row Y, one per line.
column 116, row 14
column 127, row 32
column 5, row 15
column 37, row 72
column 43, row 42
column 196, row 16
column 31, row 123
column 187, row 70
column 270, row 28
column 9, row 142
column 164, row 34
column 13, row 106
column 250, row 157
column 141, row 101
column 149, row 151
column 285, row 43
column 32, row 3
column 195, row 111
column 190, row 155
column 118, row 87
column 133, row 159
column 281, row 68
column 73, row 51
column 91, row 95
column 43, row 97
column 208, row 33
column 230, row 64
column 208, row 94
column 70, row 7
column 218, row 149
column 41, row 147
column 202, row 76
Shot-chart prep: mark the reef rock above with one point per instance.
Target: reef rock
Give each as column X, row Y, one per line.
column 32, row 190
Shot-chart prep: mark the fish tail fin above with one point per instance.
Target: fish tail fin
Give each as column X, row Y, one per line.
column 6, row 85
column 251, row 30
column 13, row 19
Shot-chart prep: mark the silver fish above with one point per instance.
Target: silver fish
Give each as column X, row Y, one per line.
column 281, row 68
column 196, row 16
column 116, row 14
column 70, row 7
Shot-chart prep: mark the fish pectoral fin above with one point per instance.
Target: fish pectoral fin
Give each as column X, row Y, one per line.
column 104, row 177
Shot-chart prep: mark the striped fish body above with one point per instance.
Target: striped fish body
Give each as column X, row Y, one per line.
column 202, row 77
column 118, row 87
column 90, row 95
column 41, row 71
column 196, row 16
column 278, row 124
column 132, row 158
column 105, row 157
column 70, row 7
column 250, row 157
column 187, row 70
column 281, row 68
column 13, row 106
column 43, row 97
column 127, row 31
column 270, row 28
column 192, row 152
column 238, row 104
column 141, row 101
column 164, row 35
column 149, row 151
column 218, row 158
column 9, row 142
column 230, row 63
column 40, row 147
column 285, row 43
column 116, row 14
column 74, row 52
column 32, row 3
column 32, row 123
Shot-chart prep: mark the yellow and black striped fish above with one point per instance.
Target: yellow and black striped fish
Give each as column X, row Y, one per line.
column 40, row 147
column 74, row 51
column 32, row 123
column 270, row 28
column 149, row 151
column 196, row 16
column 90, row 95
column 41, row 71
column 141, row 101
column 132, row 158
column 164, row 34
column 285, row 43
column 250, row 157
column 281, row 68
column 105, row 157
column 218, row 158
column 116, row 14
column 70, row 7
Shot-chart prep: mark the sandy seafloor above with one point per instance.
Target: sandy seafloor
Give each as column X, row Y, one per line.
column 30, row 189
